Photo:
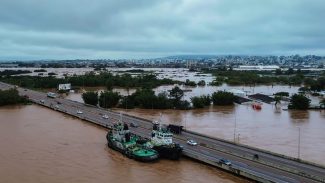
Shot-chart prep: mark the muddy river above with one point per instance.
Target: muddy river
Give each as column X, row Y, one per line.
column 271, row 128
column 40, row 145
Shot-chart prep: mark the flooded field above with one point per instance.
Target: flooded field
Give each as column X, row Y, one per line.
column 270, row 128
column 41, row 145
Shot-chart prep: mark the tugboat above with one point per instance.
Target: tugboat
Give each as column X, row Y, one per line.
column 162, row 141
column 120, row 139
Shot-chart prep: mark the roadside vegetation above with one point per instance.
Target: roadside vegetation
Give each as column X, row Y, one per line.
column 90, row 98
column 10, row 97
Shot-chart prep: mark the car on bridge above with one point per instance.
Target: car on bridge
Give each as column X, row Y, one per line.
column 105, row 116
column 191, row 142
column 225, row 161
column 134, row 125
column 79, row 112
column 42, row 101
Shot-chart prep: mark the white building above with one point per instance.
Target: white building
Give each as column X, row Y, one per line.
column 258, row 67
column 65, row 86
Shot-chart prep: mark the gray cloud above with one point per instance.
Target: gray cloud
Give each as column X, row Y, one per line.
column 43, row 29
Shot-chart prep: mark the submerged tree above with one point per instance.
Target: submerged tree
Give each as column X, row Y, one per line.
column 223, row 98
column 108, row 99
column 299, row 101
column 176, row 94
column 90, row 98
column 11, row 96
column 201, row 101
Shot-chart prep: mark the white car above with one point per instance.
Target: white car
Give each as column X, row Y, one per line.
column 79, row 112
column 105, row 116
column 191, row 142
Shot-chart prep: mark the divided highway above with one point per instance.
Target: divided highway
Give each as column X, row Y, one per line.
column 268, row 167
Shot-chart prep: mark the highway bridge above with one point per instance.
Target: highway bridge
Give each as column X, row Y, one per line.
column 268, row 167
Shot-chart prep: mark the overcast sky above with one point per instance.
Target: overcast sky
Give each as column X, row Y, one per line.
column 72, row 29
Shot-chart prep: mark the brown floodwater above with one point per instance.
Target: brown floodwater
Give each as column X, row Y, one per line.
column 271, row 128
column 41, row 145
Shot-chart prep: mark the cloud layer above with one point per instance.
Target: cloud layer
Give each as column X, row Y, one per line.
column 61, row 29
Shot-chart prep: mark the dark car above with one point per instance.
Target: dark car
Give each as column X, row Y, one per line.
column 134, row 125
column 225, row 161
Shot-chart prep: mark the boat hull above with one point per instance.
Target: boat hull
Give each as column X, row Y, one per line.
column 173, row 152
column 115, row 145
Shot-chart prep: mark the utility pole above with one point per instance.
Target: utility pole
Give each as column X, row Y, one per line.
column 235, row 127
column 185, row 123
column 298, row 143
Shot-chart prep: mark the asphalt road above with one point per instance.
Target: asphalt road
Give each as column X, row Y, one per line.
column 268, row 166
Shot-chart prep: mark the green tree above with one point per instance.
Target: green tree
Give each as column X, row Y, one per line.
column 176, row 94
column 201, row 101
column 223, row 98
column 108, row 99
column 162, row 101
column 184, row 105
column 145, row 98
column 109, row 84
column 90, row 98
column 189, row 83
column 197, row 102
column 282, row 94
column 322, row 103
column 299, row 101
column 290, row 71
column 278, row 72
column 206, row 99
column 201, row 83
column 127, row 102
column 11, row 96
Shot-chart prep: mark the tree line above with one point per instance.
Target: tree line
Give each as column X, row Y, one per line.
column 147, row 99
column 10, row 97
column 103, row 79
column 233, row 77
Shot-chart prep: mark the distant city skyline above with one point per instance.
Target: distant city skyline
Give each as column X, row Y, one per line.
column 127, row 29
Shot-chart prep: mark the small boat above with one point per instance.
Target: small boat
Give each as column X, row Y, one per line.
column 257, row 106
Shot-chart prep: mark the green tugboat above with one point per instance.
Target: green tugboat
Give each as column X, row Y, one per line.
column 120, row 139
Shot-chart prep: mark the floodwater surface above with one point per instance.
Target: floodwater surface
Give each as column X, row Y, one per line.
column 271, row 128
column 41, row 145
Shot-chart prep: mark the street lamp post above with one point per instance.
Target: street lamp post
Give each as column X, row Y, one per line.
column 235, row 128
column 185, row 123
column 298, row 143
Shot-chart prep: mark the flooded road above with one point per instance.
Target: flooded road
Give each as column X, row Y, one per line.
column 41, row 145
